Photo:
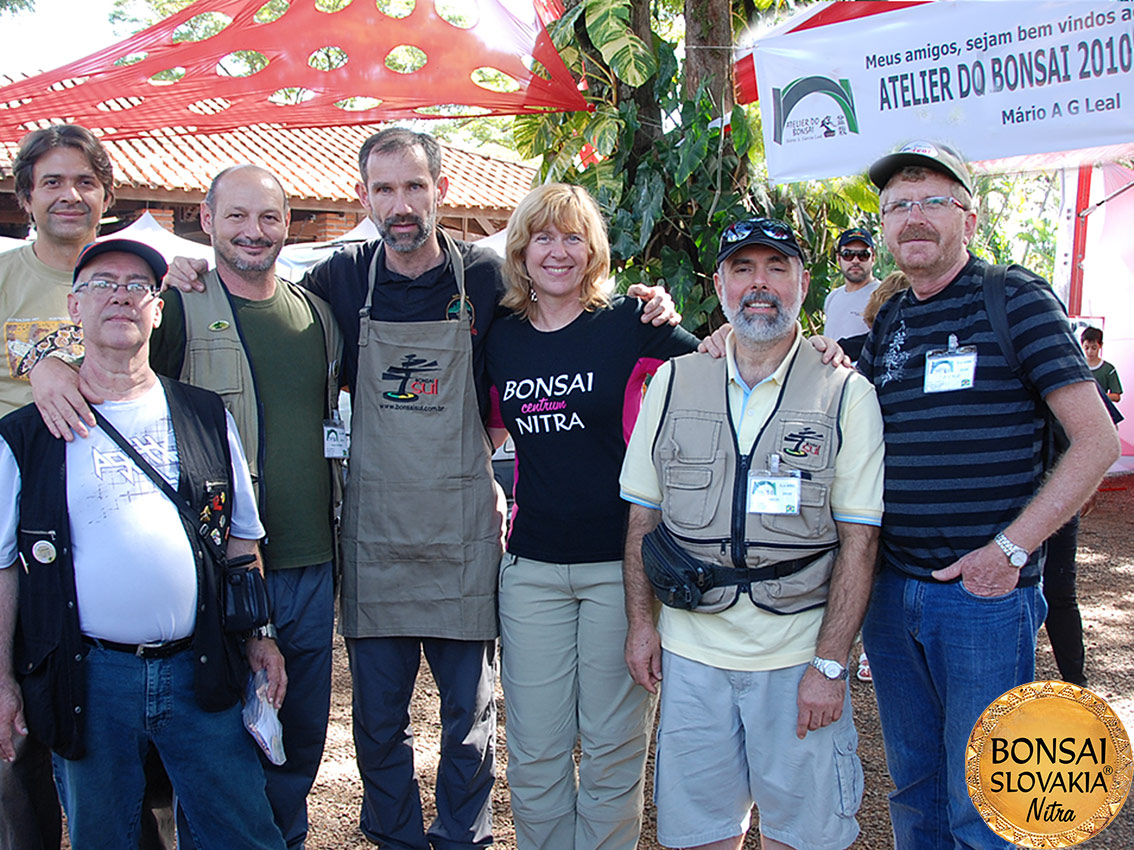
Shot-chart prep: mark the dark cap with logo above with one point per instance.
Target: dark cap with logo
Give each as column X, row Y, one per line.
column 855, row 234
column 758, row 231
column 151, row 257
column 933, row 155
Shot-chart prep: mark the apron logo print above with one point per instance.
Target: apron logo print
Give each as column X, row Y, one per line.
column 412, row 377
column 805, row 442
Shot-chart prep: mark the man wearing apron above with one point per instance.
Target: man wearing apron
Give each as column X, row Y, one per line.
column 423, row 518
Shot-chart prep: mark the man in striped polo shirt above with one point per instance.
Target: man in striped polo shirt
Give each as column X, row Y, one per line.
column 954, row 613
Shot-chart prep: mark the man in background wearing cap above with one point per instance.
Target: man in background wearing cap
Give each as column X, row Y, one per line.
column 955, row 610
column 109, row 577
column 755, row 707
column 845, row 304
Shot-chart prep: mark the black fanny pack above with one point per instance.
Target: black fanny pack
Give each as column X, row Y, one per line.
column 245, row 596
column 680, row 580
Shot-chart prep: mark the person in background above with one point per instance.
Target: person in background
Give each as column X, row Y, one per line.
column 64, row 182
column 845, row 306
column 1104, row 373
column 890, row 286
column 567, row 367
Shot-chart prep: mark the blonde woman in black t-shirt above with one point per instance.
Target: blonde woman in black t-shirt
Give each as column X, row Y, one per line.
column 567, row 368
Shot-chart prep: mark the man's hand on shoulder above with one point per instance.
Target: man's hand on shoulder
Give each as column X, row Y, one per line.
column 820, row 701
column 983, row 572
column 714, row 343
column 11, row 717
column 263, row 654
column 62, row 398
column 186, row 274
column 833, row 354
column 659, row 309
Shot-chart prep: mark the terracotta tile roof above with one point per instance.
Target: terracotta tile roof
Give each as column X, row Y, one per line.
column 316, row 164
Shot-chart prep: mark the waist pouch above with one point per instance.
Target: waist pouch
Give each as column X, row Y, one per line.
column 681, row 580
column 245, row 596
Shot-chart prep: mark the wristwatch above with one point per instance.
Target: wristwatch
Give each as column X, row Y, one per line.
column 1017, row 556
column 266, row 631
column 833, row 670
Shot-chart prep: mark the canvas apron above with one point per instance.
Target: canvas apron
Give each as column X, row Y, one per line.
column 422, row 518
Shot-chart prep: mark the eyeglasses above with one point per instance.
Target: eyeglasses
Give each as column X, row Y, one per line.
column 928, row 206
column 849, row 255
column 768, row 226
column 106, row 287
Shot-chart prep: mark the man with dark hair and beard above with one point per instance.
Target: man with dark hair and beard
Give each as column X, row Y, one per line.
column 763, row 472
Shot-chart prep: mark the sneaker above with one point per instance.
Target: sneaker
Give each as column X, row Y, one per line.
column 863, row 674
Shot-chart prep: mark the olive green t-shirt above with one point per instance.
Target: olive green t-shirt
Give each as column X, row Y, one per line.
column 284, row 341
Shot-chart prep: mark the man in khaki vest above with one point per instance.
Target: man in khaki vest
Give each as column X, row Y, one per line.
column 271, row 350
column 758, row 531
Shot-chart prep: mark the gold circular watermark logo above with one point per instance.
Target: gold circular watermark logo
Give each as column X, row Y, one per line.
column 1048, row 765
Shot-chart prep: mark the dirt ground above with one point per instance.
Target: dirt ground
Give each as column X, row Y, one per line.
column 1106, row 566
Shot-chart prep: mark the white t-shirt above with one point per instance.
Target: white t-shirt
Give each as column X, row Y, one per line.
column 135, row 577
column 844, row 311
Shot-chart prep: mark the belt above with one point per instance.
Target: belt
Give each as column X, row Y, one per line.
column 144, row 650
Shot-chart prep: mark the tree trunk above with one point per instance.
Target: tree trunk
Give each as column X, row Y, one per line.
column 708, row 52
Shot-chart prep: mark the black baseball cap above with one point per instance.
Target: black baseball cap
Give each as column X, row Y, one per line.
column 855, row 234
column 152, row 258
column 758, row 231
column 933, row 155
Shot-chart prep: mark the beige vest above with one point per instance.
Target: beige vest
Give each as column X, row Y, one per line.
column 216, row 360
column 704, row 477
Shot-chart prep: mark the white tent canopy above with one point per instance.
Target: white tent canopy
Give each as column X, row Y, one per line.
column 148, row 231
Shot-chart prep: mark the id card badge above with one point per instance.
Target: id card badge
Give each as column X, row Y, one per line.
column 772, row 494
column 336, row 440
column 950, row 369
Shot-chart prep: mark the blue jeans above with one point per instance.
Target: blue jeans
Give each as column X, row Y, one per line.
column 940, row 655
column 303, row 609
column 383, row 671
column 134, row 704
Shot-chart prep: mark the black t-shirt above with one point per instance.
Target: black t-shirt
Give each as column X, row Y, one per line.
column 569, row 399
column 342, row 281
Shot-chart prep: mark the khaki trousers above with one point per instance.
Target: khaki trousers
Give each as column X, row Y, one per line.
column 562, row 631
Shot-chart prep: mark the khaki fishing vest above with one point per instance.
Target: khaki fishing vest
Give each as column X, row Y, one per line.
column 216, row 360
column 704, row 478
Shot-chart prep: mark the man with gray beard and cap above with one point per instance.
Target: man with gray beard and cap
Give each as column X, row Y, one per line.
column 755, row 484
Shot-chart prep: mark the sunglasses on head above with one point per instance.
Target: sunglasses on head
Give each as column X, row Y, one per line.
column 768, row 226
column 851, row 254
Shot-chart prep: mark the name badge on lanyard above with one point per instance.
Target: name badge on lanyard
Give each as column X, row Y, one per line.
column 336, row 440
column 953, row 368
column 771, row 491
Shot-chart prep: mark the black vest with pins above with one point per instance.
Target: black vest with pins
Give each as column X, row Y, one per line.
column 48, row 651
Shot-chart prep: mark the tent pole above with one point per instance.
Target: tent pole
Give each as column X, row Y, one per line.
column 1079, row 240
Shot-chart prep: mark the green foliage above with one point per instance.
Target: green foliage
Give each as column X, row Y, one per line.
column 1017, row 220
column 670, row 180
column 16, row 6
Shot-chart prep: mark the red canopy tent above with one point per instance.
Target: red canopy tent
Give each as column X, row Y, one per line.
column 484, row 57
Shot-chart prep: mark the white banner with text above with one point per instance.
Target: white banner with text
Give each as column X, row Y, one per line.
column 993, row 80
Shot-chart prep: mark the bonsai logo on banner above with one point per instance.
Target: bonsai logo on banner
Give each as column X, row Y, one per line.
column 795, row 121
column 1048, row 765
